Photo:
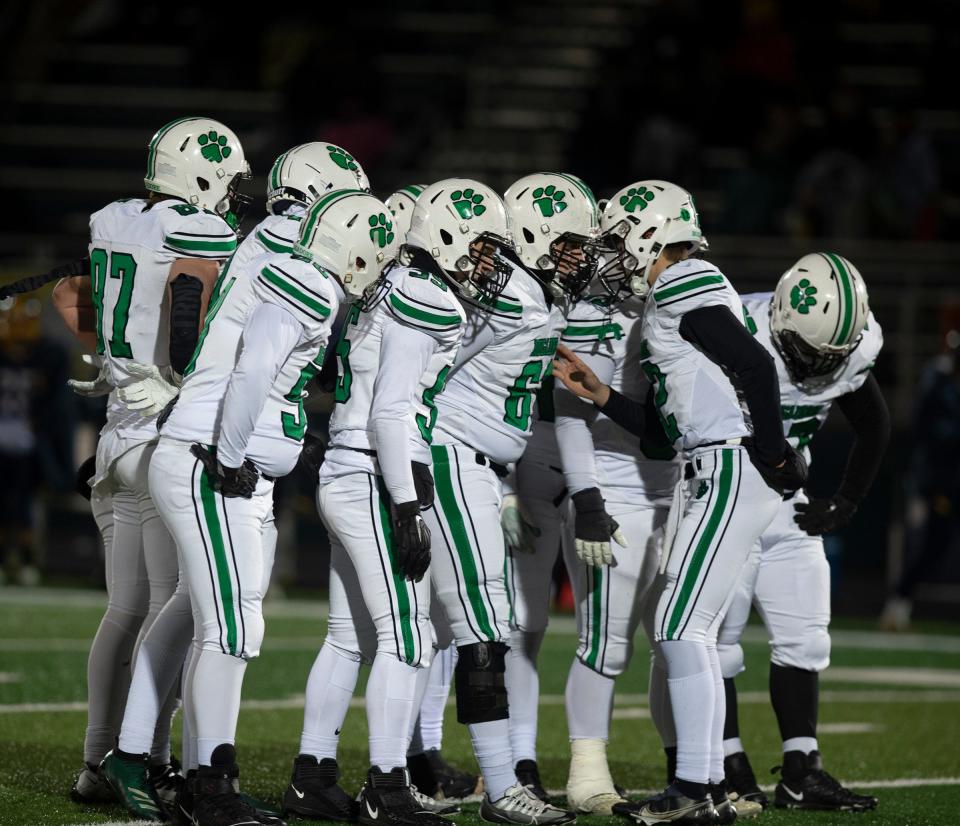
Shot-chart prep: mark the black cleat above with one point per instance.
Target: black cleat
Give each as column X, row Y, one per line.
column 805, row 785
column 315, row 793
column 528, row 774
column 673, row 806
column 166, row 781
column 90, row 787
column 436, row 778
column 726, row 814
column 741, row 781
column 386, row 799
column 181, row 812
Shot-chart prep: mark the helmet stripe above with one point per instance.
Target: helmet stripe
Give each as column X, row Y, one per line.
column 848, row 303
column 275, row 171
column 413, row 190
column 588, row 193
column 161, row 132
column 320, row 207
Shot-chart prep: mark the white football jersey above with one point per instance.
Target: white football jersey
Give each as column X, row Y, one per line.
column 488, row 403
column 696, row 401
column 629, row 469
column 805, row 408
column 415, row 299
column 132, row 247
column 305, row 291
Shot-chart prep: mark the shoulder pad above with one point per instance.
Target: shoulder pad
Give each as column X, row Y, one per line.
column 278, row 233
column 420, row 299
column 191, row 232
column 300, row 287
column 692, row 283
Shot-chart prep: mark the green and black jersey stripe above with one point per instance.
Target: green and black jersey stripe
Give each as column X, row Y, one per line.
column 689, row 285
column 416, row 313
column 274, row 242
column 200, row 245
column 295, row 293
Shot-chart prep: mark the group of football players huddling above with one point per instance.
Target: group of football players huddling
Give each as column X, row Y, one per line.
column 513, row 377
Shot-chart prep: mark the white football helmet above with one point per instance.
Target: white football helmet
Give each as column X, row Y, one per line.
column 638, row 222
column 401, row 204
column 554, row 222
column 350, row 234
column 201, row 161
column 306, row 172
column 817, row 315
column 461, row 225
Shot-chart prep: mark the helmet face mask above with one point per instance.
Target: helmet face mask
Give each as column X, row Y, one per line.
column 620, row 274
column 485, row 271
column 804, row 362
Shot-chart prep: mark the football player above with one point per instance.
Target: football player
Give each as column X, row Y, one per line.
column 555, row 224
column 153, row 262
column 818, row 328
column 483, row 419
column 737, row 464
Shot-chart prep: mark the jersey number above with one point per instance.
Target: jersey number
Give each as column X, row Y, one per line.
column 295, row 426
column 121, row 266
column 341, row 393
column 429, row 396
column 519, row 403
column 659, row 381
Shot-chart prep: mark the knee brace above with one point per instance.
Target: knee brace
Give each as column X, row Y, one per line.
column 731, row 659
column 481, row 692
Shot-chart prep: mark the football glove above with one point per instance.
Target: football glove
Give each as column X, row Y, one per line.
column 227, row 481
column 791, row 476
column 151, row 392
column 518, row 528
column 822, row 516
column 411, row 538
column 593, row 528
column 100, row 386
column 311, row 457
column 85, row 473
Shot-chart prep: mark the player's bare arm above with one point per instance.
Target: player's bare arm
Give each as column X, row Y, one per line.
column 73, row 302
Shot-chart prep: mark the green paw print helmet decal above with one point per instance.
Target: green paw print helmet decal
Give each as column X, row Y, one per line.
column 802, row 296
column 467, row 203
column 381, row 230
column 636, row 199
column 342, row 158
column 549, row 200
column 214, row 146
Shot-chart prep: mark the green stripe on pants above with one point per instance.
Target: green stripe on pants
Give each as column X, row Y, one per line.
column 706, row 540
column 209, row 500
column 596, row 616
column 458, row 530
column 399, row 582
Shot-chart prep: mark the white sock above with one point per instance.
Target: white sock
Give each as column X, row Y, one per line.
column 330, row 687
column 692, row 690
column 523, row 690
column 661, row 712
column 719, row 717
column 435, row 698
column 491, row 745
column 732, row 746
column 804, row 744
column 217, row 683
column 390, row 696
column 589, row 701
column 415, row 744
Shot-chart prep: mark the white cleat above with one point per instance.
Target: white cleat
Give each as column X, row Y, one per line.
column 590, row 788
column 91, row 788
column 746, row 809
column 520, row 805
column 431, row 804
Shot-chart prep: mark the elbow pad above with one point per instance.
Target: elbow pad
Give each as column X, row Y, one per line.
column 186, row 299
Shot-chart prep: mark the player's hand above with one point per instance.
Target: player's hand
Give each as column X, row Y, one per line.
column 578, row 378
column 239, row 482
column 789, row 475
column 85, row 473
column 311, row 457
column 151, row 391
column 593, row 528
column 411, row 538
column 100, row 386
column 822, row 516
column 519, row 532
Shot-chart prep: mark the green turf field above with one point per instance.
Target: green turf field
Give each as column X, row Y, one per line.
column 890, row 715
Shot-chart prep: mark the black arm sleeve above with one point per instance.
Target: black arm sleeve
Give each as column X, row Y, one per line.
column 722, row 338
column 867, row 412
column 625, row 412
column 35, row 282
column 186, row 299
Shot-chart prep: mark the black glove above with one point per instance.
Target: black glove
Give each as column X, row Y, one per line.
column 84, row 472
column 311, row 457
column 228, row 481
column 592, row 522
column 786, row 479
column 423, row 483
column 411, row 539
column 822, row 516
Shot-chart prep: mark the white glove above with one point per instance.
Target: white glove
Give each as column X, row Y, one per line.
column 518, row 528
column 598, row 553
column 152, row 392
column 100, row 386
column 594, row 528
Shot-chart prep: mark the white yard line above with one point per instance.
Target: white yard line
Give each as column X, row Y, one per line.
column 7, row 677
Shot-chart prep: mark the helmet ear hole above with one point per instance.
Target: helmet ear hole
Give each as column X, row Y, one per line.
column 361, row 264
column 446, row 237
column 203, row 183
column 528, row 236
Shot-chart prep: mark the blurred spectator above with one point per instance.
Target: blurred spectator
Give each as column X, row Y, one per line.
column 933, row 497
column 36, row 432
